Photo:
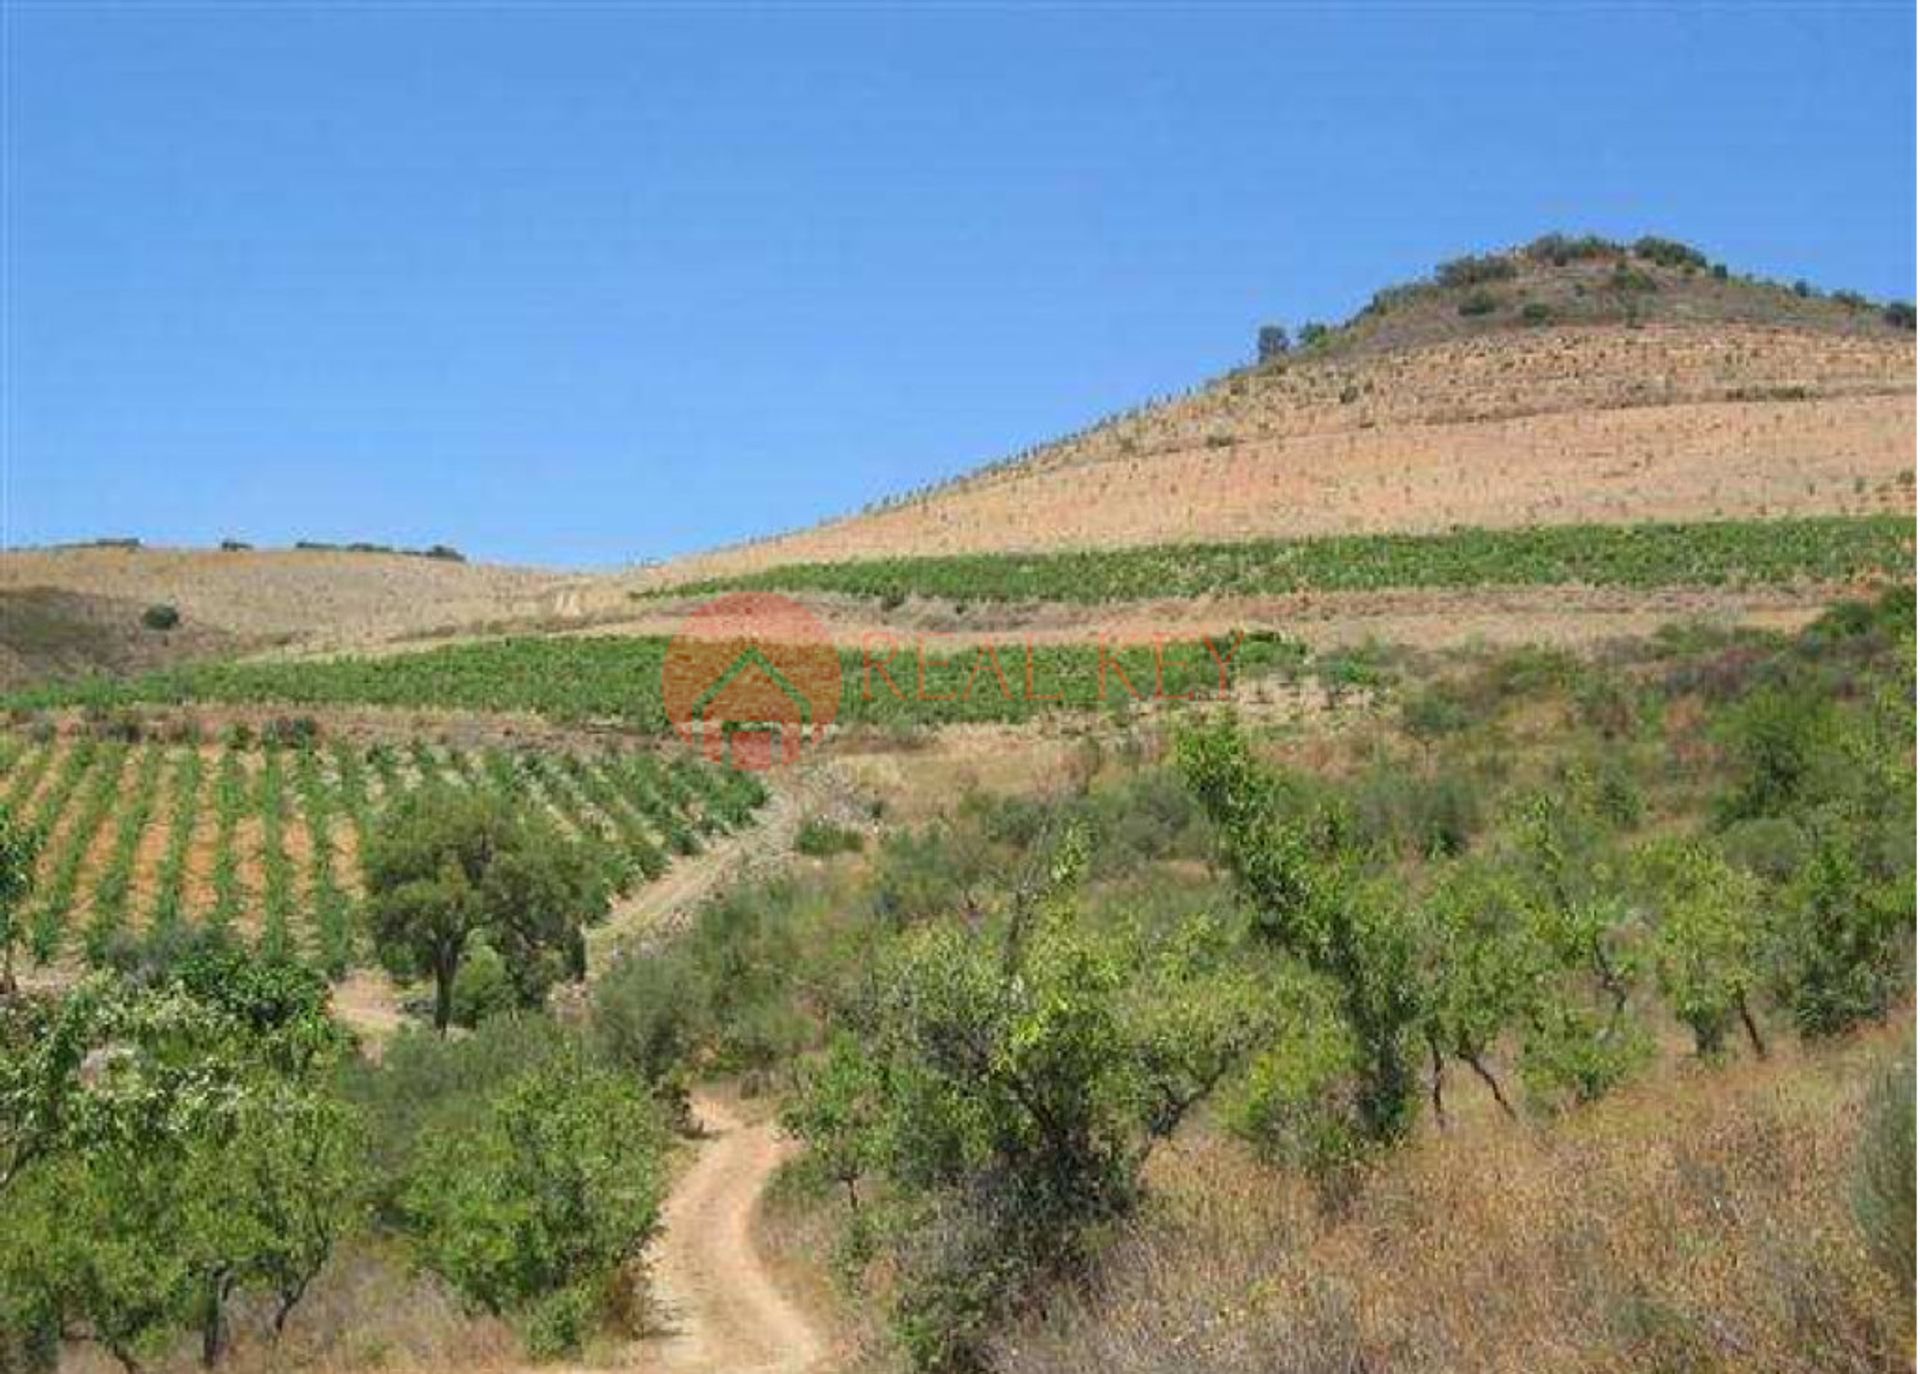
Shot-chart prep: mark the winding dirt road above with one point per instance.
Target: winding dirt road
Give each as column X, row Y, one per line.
column 722, row 1312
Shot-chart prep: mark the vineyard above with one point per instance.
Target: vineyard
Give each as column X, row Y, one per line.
column 574, row 679
column 262, row 838
column 1709, row 554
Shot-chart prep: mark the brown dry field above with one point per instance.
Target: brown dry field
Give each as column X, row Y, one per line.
column 1603, row 424
column 1415, row 617
column 294, row 595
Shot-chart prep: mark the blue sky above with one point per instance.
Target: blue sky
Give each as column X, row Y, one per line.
column 591, row 283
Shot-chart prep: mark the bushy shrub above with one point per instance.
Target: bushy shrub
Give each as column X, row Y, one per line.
column 290, row 732
column 1629, row 281
column 1779, row 743
column 1474, row 270
column 483, row 987
column 1560, row 249
column 1842, row 938
column 821, row 839
column 553, row 1193
column 1479, row 303
column 1899, row 314
column 648, row 1011
column 1669, row 252
column 160, row 616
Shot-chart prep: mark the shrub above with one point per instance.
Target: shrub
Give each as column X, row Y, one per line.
column 1841, row 939
column 553, row 1194
column 1560, row 250
column 290, row 732
column 1899, row 314
column 648, row 1011
column 483, row 987
column 1628, row 281
column 1272, row 343
column 1536, row 313
column 160, row 617
column 820, row 839
column 1009, row 1080
column 1479, row 303
column 1669, row 252
column 1472, row 270
column 1780, row 745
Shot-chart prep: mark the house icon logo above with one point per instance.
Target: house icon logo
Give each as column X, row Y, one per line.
column 750, row 679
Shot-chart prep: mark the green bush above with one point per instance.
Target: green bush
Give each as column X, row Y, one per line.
column 648, row 1017
column 483, row 987
column 160, row 617
column 1842, row 938
column 1628, row 281
column 553, row 1193
column 1560, row 249
column 1669, row 252
column 1479, row 303
column 1473, row 271
column 820, row 840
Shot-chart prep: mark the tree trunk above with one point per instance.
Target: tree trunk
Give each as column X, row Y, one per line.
column 213, row 1323
column 444, row 970
column 1439, row 1078
column 1485, row 1075
column 1753, row 1029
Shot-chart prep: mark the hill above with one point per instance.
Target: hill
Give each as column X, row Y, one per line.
column 1565, row 382
column 76, row 609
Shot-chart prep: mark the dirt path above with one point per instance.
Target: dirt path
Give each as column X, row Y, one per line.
column 659, row 908
column 722, row 1311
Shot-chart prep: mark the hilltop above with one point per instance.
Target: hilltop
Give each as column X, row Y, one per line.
column 1562, row 385
column 1565, row 381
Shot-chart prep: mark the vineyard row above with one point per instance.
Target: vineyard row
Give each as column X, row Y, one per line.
column 142, row 839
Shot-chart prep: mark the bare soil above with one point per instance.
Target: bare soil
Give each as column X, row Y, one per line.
column 1602, row 424
column 721, row 1309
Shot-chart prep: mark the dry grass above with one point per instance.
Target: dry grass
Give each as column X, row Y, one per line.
column 367, row 1310
column 1698, row 1223
column 313, row 597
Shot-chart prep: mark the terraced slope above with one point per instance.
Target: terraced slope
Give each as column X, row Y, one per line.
column 1604, row 424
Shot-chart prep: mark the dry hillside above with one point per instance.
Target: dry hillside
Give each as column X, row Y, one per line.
column 242, row 599
column 1609, row 387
